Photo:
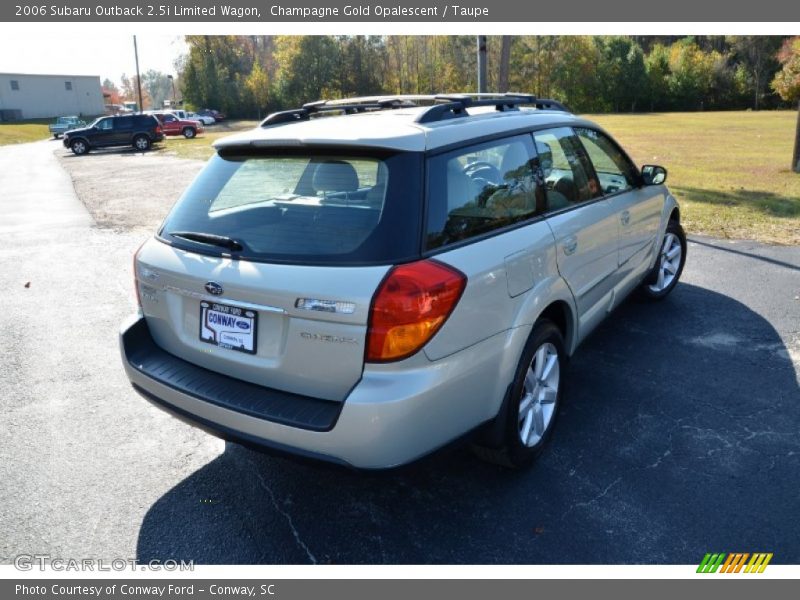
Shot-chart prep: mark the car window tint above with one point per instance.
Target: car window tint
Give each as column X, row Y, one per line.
column 123, row 122
column 299, row 205
column 105, row 124
column 479, row 189
column 565, row 168
column 615, row 172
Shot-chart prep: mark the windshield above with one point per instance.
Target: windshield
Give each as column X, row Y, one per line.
column 299, row 206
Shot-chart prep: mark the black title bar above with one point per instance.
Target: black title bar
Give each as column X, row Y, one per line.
column 388, row 11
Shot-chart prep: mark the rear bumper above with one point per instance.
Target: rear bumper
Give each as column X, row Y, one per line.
column 393, row 416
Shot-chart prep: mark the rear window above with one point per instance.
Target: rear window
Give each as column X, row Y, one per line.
column 302, row 207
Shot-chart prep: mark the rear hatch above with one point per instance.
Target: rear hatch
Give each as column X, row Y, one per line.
column 265, row 268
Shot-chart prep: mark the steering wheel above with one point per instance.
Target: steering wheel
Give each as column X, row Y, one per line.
column 480, row 169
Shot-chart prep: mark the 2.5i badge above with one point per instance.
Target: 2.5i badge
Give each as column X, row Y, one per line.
column 228, row 326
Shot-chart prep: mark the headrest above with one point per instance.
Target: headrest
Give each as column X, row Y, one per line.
column 335, row 176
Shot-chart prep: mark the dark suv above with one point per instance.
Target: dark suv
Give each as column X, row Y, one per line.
column 139, row 131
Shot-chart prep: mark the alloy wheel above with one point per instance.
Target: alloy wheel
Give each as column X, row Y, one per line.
column 539, row 393
column 669, row 261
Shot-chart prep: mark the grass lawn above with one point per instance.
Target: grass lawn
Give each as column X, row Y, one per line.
column 25, row 131
column 729, row 170
column 200, row 147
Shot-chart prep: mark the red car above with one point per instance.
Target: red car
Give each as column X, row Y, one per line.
column 172, row 125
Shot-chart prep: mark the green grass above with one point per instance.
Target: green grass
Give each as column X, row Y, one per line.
column 24, row 131
column 200, row 148
column 729, row 170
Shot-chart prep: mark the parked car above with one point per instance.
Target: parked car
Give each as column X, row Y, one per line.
column 140, row 131
column 64, row 124
column 370, row 287
column 215, row 114
column 182, row 114
column 204, row 119
column 172, row 125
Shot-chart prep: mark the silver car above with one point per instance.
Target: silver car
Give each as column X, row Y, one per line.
column 365, row 281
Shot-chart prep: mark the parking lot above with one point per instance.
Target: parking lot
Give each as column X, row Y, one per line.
column 680, row 433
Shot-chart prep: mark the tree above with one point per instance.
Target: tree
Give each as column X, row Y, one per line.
column 307, row 68
column 691, row 75
column 130, row 91
column 111, row 92
column 505, row 58
column 258, row 85
column 757, row 54
column 622, row 70
column 787, row 85
column 214, row 72
column 157, row 86
column 657, row 67
column 576, row 83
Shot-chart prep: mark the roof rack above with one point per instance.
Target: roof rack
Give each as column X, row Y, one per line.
column 440, row 106
column 454, row 106
column 347, row 106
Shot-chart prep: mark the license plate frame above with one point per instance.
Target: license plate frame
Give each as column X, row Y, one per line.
column 224, row 329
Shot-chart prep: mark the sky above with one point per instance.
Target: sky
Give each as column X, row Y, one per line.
column 106, row 56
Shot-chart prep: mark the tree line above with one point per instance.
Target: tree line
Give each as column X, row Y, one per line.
column 250, row 76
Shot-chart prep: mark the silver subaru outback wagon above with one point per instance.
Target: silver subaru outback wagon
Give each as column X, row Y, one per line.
column 365, row 281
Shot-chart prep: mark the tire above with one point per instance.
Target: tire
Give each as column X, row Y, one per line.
column 79, row 147
column 669, row 264
column 56, row 136
column 189, row 132
column 141, row 143
column 539, row 383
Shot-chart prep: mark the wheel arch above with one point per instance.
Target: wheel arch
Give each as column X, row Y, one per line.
column 551, row 300
column 561, row 315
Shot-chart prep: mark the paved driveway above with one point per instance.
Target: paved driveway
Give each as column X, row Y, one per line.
column 680, row 433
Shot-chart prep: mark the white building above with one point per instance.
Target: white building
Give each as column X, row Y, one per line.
column 25, row 96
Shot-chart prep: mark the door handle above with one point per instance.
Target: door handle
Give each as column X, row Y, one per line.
column 570, row 244
column 625, row 217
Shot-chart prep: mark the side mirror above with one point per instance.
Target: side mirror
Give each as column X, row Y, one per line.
column 653, row 174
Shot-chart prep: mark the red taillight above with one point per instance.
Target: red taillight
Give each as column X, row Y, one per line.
column 410, row 306
column 158, row 129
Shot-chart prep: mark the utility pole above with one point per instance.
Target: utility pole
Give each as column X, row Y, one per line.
column 481, row 64
column 138, row 79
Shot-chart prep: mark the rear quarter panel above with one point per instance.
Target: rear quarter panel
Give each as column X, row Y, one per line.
column 512, row 278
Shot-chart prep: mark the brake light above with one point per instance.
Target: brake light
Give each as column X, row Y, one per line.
column 158, row 129
column 409, row 307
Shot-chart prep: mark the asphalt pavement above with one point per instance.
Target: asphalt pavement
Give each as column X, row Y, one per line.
column 680, row 432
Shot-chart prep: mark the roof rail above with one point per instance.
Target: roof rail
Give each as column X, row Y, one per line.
column 441, row 106
column 347, row 106
column 454, row 106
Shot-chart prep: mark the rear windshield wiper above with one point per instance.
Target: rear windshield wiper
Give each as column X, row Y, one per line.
column 209, row 238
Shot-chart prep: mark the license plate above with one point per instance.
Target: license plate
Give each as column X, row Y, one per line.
column 228, row 326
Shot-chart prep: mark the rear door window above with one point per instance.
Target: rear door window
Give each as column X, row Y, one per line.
column 475, row 190
column 305, row 207
column 123, row 123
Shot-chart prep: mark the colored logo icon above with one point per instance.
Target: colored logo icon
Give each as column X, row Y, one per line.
column 735, row 562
